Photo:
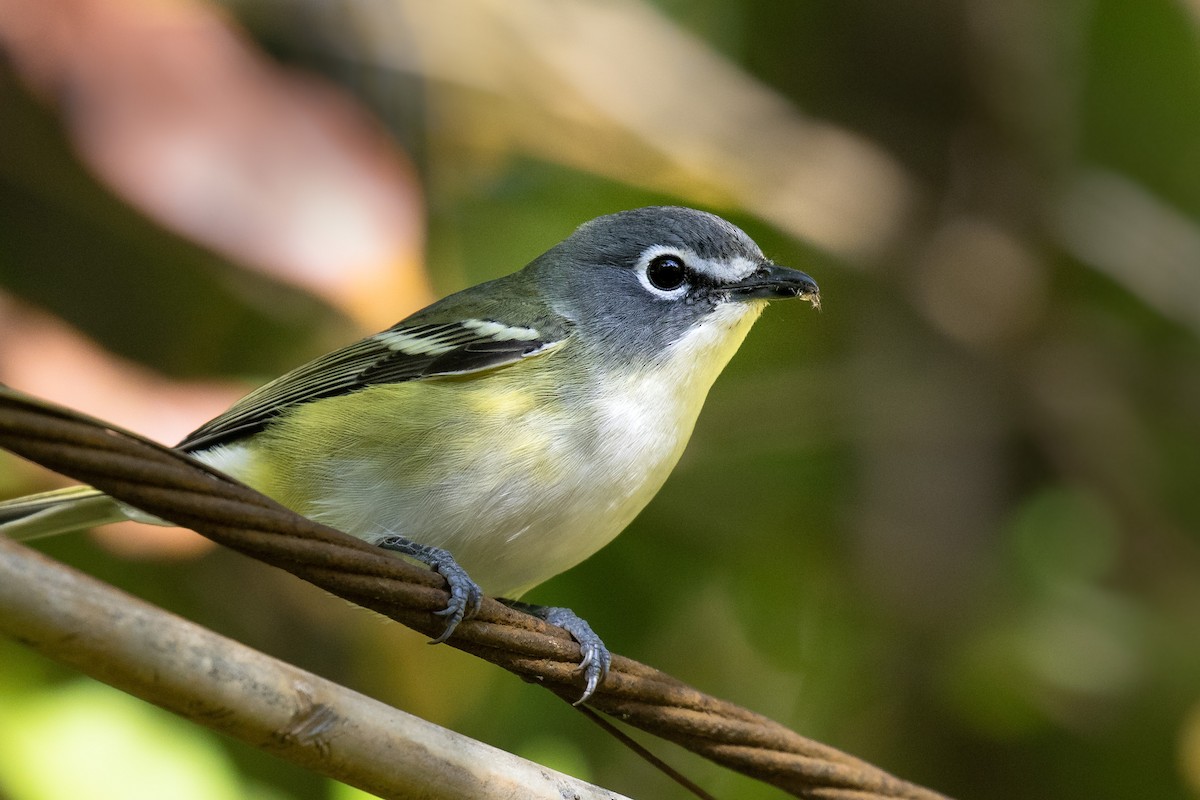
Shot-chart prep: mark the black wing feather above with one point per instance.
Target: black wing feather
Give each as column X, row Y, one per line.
column 372, row 362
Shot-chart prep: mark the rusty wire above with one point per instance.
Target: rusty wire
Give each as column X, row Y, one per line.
column 174, row 487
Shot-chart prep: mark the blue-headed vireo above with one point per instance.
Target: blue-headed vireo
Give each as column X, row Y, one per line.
column 507, row 432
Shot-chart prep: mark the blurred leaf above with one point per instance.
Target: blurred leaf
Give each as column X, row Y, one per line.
column 69, row 246
column 89, row 740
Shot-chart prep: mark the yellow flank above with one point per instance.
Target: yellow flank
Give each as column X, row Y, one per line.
column 503, row 400
column 410, row 433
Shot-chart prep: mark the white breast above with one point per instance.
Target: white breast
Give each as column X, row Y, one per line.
column 642, row 421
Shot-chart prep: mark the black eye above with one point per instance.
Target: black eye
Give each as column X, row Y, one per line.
column 666, row 272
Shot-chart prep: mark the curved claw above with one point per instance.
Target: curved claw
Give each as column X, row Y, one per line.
column 465, row 594
column 596, row 658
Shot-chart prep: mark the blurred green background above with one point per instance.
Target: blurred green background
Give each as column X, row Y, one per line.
column 949, row 524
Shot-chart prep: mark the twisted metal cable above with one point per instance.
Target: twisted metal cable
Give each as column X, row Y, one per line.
column 174, row 487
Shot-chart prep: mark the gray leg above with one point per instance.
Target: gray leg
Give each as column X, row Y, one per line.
column 465, row 594
column 596, row 658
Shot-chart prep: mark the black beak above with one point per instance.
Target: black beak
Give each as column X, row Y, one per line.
column 771, row 282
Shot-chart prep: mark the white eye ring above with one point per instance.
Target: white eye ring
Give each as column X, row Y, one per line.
column 664, row 273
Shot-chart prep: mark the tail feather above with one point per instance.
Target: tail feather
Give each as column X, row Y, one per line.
column 59, row 511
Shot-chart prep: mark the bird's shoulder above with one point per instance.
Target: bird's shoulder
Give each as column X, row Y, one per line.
column 473, row 331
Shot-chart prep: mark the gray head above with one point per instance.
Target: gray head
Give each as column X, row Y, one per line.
column 640, row 280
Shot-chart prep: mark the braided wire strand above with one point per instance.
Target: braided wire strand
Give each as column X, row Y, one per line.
column 169, row 484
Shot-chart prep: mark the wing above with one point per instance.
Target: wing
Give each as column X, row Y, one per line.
column 410, row 350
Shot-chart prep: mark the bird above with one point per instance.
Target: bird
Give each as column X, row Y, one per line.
column 506, row 432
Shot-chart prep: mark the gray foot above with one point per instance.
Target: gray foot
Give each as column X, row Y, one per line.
column 465, row 594
column 596, row 658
